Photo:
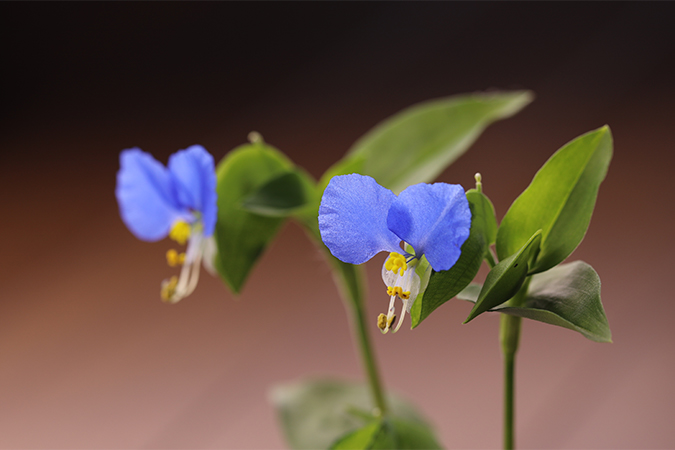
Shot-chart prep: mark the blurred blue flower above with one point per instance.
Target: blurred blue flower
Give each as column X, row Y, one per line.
column 358, row 218
column 178, row 201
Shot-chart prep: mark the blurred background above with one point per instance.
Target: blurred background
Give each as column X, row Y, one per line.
column 91, row 358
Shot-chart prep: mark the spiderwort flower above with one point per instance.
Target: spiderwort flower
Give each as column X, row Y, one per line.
column 358, row 218
column 178, row 201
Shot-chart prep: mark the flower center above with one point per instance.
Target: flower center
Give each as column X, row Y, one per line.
column 180, row 232
column 396, row 262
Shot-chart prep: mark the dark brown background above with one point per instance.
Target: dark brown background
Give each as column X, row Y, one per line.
column 90, row 357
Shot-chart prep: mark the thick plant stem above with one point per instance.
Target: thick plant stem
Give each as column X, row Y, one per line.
column 352, row 293
column 509, row 337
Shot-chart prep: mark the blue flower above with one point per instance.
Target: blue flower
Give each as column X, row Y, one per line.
column 358, row 218
column 178, row 201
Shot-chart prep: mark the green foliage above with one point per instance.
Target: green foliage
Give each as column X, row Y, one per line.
column 559, row 201
column 567, row 296
column 240, row 235
column 506, row 278
column 392, row 433
column 417, row 144
column 320, row 413
column 444, row 285
column 281, row 196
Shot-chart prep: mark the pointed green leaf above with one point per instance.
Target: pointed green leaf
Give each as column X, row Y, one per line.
column 389, row 433
column 281, row 196
column 506, row 278
column 567, row 296
column 375, row 435
column 417, row 144
column 559, row 201
column 444, row 285
column 240, row 235
column 317, row 413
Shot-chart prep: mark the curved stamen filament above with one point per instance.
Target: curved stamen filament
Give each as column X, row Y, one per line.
column 176, row 289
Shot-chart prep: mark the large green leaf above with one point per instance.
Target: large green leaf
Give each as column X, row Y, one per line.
column 417, row 144
column 506, row 278
column 444, row 285
column 320, row 413
column 567, row 296
column 240, row 235
column 559, row 201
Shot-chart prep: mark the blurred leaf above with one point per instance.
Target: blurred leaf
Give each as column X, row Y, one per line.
column 505, row 279
column 417, row 144
column 281, row 196
column 375, row 435
column 567, row 296
column 241, row 236
column 444, row 285
column 316, row 413
column 384, row 433
column 559, row 201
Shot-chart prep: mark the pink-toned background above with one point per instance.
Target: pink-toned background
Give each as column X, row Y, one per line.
column 91, row 358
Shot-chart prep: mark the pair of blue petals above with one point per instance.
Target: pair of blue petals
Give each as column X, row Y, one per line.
column 358, row 218
column 152, row 197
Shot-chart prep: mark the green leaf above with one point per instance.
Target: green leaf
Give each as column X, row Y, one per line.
column 241, row 236
column 559, row 201
column 385, row 433
column 319, row 413
column 375, row 435
column 444, row 285
column 281, row 196
column 417, row 144
column 567, row 296
column 506, row 278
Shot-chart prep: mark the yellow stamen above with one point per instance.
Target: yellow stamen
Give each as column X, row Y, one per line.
column 169, row 288
column 397, row 290
column 395, row 262
column 173, row 258
column 180, row 232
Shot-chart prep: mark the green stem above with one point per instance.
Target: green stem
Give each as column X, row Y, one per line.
column 353, row 294
column 509, row 337
column 349, row 280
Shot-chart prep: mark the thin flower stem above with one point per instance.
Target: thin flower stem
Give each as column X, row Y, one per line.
column 509, row 337
column 490, row 258
column 353, row 294
column 349, row 280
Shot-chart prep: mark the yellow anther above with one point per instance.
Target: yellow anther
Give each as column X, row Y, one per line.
column 173, row 258
column 395, row 262
column 398, row 290
column 169, row 288
column 382, row 321
column 180, row 232
column 391, row 320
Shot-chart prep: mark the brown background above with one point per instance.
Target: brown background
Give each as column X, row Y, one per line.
column 90, row 357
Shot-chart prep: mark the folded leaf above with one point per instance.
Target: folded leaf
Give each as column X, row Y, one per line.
column 281, row 196
column 417, row 144
column 506, row 278
column 567, row 296
column 559, row 201
column 240, row 235
column 444, row 285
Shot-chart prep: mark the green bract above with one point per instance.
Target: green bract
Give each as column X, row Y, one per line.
column 567, row 296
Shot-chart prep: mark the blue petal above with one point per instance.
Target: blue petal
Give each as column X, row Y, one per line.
column 145, row 195
column 435, row 219
column 194, row 178
column 353, row 218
